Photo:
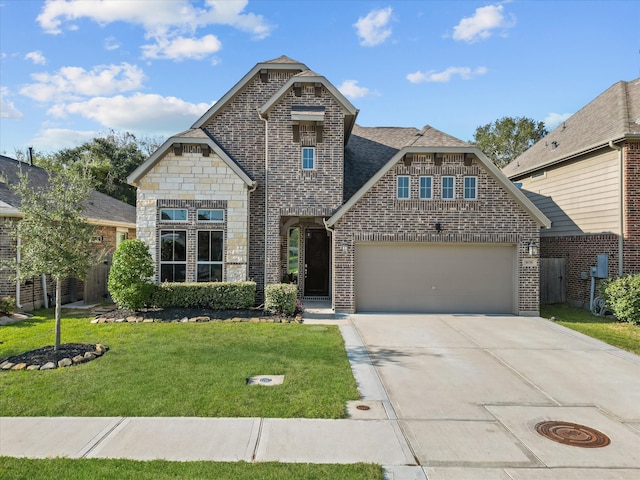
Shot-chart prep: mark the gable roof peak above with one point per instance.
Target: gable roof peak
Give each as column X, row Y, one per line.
column 282, row 59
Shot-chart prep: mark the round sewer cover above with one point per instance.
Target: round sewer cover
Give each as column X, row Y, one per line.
column 573, row 434
column 363, row 407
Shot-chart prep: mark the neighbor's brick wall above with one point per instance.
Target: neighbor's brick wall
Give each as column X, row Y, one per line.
column 631, row 253
column 581, row 252
column 239, row 129
column 188, row 180
column 494, row 218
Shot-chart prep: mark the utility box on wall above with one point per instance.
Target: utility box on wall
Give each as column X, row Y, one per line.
column 601, row 269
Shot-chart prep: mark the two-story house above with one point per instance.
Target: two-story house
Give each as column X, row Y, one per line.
column 585, row 177
column 276, row 182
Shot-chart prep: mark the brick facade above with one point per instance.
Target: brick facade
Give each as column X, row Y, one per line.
column 494, row 218
column 631, row 252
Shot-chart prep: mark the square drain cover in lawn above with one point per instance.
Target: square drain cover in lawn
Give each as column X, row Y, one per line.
column 266, row 380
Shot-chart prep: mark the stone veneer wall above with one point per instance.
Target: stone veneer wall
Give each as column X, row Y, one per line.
column 185, row 181
column 494, row 218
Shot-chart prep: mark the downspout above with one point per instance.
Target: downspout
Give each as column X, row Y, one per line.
column 266, row 191
column 622, row 209
column 18, row 304
column 250, row 190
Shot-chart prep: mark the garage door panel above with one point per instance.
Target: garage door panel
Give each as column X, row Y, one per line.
column 435, row 278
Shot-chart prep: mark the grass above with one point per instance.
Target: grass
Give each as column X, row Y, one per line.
column 176, row 369
column 98, row 469
column 619, row 334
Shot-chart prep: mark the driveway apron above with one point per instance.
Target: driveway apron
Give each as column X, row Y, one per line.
column 469, row 391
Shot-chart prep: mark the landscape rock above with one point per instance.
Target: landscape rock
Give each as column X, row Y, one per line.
column 48, row 366
column 78, row 359
column 33, row 367
column 65, row 362
column 19, row 366
column 6, row 365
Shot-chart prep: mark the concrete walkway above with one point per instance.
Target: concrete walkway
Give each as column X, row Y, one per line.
column 448, row 397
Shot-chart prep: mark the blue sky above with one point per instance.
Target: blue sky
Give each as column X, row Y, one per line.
column 71, row 70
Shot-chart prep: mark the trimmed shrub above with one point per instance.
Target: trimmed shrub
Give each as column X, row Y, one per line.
column 280, row 298
column 130, row 277
column 214, row 295
column 622, row 296
column 7, row 306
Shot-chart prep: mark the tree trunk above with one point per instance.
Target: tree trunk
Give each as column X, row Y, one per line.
column 58, row 307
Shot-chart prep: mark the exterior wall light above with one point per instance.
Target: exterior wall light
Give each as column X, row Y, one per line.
column 533, row 249
column 345, row 247
column 439, row 227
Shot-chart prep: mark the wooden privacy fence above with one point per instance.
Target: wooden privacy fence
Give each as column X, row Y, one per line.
column 95, row 286
column 553, row 283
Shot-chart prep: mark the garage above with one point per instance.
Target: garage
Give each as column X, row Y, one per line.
column 435, row 278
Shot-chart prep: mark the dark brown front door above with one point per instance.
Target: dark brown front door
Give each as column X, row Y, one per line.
column 316, row 258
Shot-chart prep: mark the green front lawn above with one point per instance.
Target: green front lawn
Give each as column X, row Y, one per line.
column 619, row 334
column 178, row 369
column 97, row 469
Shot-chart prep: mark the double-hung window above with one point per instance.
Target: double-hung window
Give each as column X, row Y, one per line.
column 470, row 188
column 448, row 188
column 173, row 255
column 210, row 248
column 403, row 190
column 426, row 188
column 308, row 158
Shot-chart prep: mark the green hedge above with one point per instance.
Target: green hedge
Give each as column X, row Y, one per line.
column 622, row 296
column 7, row 305
column 280, row 298
column 214, row 295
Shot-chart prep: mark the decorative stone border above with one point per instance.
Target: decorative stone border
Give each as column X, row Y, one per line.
column 197, row 319
column 65, row 362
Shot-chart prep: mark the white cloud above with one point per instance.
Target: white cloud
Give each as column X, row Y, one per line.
column 554, row 119
column 181, row 48
column 55, row 139
column 373, row 29
column 111, row 43
column 351, row 89
column 36, row 57
column 165, row 21
column 480, row 26
column 7, row 108
column 75, row 82
column 465, row 73
column 146, row 113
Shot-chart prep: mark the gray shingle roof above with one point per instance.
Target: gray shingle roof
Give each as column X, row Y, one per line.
column 370, row 148
column 101, row 208
column 612, row 115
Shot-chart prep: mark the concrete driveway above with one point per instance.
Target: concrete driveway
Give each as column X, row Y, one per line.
column 468, row 391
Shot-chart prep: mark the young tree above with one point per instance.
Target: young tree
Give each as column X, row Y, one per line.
column 54, row 237
column 130, row 277
column 507, row 138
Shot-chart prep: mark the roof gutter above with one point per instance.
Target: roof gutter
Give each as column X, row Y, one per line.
column 622, row 207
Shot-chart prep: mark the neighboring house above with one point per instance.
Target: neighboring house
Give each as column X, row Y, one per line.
column 115, row 222
column 277, row 183
column 585, row 177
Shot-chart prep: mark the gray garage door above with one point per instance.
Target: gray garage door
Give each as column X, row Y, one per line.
column 435, row 278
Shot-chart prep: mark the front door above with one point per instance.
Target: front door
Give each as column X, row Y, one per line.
column 316, row 268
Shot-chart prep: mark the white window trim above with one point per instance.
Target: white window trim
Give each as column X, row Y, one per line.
column 210, row 221
column 174, row 221
column 430, row 197
column 408, row 197
column 453, row 187
column 475, row 188
column 313, row 149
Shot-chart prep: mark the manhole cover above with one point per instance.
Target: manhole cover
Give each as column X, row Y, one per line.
column 573, row 434
column 363, row 407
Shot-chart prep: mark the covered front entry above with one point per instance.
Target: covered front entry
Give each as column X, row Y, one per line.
column 435, row 278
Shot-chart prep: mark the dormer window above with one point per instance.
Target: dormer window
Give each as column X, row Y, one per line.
column 308, row 158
